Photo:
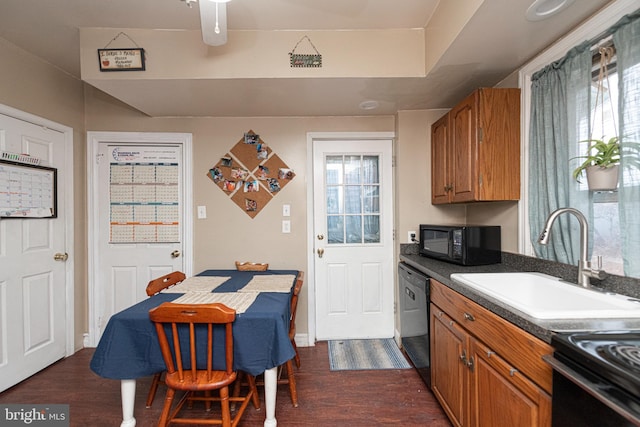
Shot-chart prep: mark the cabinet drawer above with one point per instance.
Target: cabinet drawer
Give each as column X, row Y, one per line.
column 519, row 348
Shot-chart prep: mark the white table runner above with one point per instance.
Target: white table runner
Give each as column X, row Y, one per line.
column 197, row 284
column 240, row 302
column 269, row 283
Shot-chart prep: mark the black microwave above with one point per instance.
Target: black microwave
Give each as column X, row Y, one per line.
column 461, row 244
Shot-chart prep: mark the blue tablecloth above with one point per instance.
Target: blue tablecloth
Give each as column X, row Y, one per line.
column 129, row 346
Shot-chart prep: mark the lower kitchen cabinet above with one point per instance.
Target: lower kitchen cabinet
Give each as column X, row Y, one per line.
column 449, row 374
column 478, row 373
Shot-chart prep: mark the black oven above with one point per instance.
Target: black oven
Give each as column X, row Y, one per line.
column 596, row 379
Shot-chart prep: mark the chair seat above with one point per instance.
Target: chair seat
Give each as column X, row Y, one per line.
column 201, row 381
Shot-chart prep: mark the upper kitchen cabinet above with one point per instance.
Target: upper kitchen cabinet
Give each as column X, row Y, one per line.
column 475, row 149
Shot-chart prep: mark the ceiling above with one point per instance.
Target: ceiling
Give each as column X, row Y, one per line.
column 496, row 41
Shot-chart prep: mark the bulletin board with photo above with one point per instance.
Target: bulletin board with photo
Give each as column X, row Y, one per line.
column 251, row 174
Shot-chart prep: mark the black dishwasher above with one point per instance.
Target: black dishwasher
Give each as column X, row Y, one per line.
column 414, row 318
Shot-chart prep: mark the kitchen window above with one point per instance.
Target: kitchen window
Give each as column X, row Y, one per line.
column 562, row 109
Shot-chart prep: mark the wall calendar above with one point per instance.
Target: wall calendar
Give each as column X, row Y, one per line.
column 144, row 195
column 27, row 190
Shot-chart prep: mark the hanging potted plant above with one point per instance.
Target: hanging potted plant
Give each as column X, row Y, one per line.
column 601, row 164
column 602, row 158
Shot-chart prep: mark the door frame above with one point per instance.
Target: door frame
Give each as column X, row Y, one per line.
column 94, row 139
column 312, row 137
column 65, row 180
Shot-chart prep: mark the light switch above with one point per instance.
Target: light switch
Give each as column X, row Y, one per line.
column 286, row 226
column 286, row 210
column 202, row 212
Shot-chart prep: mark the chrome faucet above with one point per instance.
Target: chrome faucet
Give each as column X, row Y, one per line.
column 585, row 272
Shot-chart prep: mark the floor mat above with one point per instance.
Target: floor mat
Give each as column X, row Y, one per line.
column 353, row 355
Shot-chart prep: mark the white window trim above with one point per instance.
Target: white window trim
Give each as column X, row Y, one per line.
column 597, row 24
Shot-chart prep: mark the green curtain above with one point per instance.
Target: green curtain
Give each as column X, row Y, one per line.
column 626, row 38
column 560, row 99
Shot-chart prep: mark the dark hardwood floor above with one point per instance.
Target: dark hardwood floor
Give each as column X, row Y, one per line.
column 326, row 398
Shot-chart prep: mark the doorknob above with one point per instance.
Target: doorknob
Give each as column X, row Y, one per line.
column 175, row 254
column 320, row 252
column 320, row 236
column 61, row 257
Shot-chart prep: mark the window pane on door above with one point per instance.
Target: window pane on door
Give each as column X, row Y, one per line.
column 352, row 168
column 370, row 169
column 354, row 229
column 334, row 200
column 352, row 199
column 333, row 170
column 371, row 199
column 371, row 228
column 335, row 229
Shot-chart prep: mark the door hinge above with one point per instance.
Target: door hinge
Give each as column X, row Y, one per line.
column 393, row 161
column 480, row 135
column 480, row 180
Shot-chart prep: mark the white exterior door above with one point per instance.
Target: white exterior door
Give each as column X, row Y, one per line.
column 139, row 217
column 33, row 284
column 353, row 238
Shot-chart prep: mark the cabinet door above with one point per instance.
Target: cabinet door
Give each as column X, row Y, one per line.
column 464, row 125
column 498, row 148
column 448, row 372
column 501, row 396
column 441, row 182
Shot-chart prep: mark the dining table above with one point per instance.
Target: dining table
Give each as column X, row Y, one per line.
column 128, row 348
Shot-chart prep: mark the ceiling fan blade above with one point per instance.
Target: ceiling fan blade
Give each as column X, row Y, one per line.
column 208, row 22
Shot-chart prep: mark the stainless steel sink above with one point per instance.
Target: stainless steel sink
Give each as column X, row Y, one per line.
column 546, row 297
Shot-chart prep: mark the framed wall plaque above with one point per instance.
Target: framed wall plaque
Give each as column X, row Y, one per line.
column 121, row 59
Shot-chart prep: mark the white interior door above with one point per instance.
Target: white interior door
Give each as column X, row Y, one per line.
column 33, row 284
column 353, row 238
column 140, row 217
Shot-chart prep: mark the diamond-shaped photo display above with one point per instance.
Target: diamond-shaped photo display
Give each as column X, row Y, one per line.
column 251, row 174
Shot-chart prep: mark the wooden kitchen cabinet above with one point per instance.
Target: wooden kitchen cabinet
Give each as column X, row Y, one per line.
column 475, row 149
column 449, row 375
column 485, row 371
column 440, row 161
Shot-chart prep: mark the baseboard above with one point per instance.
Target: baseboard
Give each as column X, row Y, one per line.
column 302, row 340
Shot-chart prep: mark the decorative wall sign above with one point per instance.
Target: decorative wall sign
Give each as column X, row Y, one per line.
column 251, row 174
column 305, row 60
column 121, row 59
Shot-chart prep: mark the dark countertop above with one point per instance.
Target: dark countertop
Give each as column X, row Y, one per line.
column 543, row 329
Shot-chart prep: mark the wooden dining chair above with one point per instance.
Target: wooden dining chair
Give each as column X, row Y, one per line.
column 294, row 309
column 164, row 282
column 290, row 376
column 186, row 368
column 155, row 286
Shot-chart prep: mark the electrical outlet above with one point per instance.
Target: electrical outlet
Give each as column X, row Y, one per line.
column 412, row 237
column 286, row 226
